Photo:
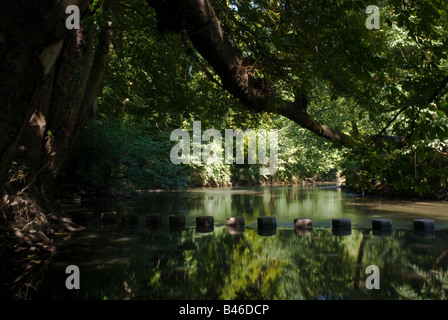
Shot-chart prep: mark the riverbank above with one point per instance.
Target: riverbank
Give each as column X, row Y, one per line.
column 27, row 237
column 386, row 191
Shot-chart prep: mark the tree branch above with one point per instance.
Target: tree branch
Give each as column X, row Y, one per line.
column 198, row 19
column 435, row 94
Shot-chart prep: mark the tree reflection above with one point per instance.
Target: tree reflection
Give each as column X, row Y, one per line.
column 218, row 265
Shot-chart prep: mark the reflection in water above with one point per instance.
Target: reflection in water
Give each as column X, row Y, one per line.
column 250, row 263
column 287, row 204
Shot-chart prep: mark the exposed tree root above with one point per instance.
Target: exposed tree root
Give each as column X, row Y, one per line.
column 27, row 235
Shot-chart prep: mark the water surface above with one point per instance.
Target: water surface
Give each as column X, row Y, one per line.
column 118, row 262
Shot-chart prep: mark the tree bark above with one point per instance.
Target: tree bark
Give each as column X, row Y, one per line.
column 198, row 19
column 49, row 79
column 96, row 75
column 32, row 36
column 68, row 121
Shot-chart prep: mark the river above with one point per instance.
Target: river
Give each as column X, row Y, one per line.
column 140, row 262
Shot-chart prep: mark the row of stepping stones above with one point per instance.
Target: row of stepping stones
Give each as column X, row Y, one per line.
column 267, row 225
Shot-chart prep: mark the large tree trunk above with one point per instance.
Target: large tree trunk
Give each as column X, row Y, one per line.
column 73, row 101
column 49, row 79
column 199, row 20
column 32, row 36
column 46, row 95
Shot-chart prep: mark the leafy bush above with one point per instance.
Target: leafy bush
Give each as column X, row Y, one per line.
column 112, row 155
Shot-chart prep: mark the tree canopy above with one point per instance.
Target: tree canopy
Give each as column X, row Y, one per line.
column 367, row 103
column 296, row 66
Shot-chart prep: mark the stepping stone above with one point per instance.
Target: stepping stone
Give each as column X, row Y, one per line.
column 303, row 223
column 267, row 222
column 205, row 221
column 423, row 224
column 177, row 220
column 205, row 224
column 267, row 226
column 342, row 224
column 236, row 221
column 381, row 224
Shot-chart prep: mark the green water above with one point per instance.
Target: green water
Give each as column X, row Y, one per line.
column 118, row 262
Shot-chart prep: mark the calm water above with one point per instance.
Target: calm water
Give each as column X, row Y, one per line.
column 118, row 262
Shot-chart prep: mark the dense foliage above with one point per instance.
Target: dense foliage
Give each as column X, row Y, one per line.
column 384, row 89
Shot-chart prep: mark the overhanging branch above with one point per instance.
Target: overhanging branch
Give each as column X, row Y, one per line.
column 198, row 19
column 433, row 96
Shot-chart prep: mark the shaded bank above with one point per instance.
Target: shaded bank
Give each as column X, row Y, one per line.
column 28, row 242
column 437, row 192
